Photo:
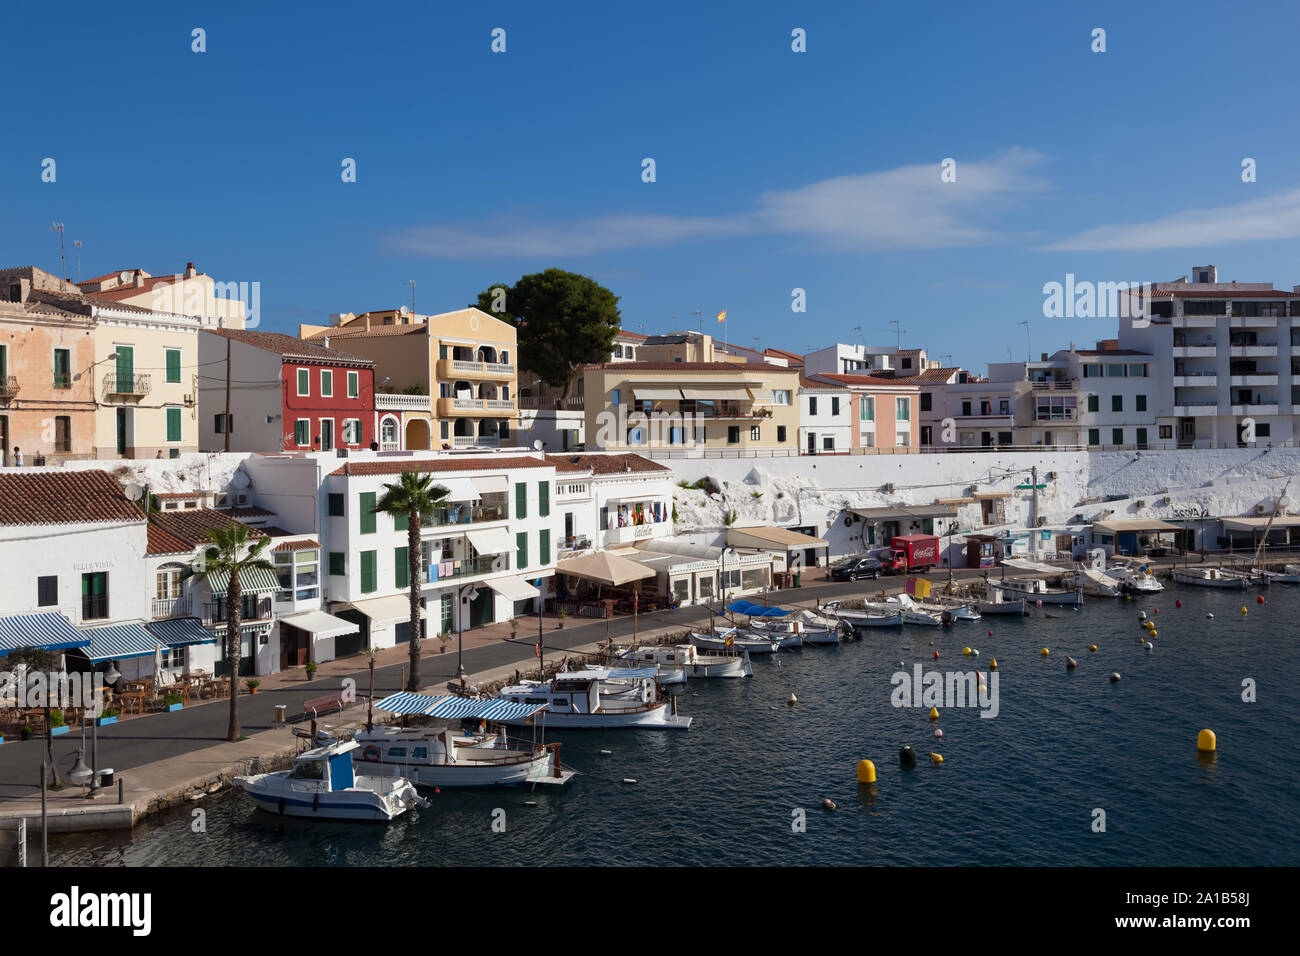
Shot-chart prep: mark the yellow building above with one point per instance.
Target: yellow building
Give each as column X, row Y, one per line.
column 711, row 405
column 465, row 361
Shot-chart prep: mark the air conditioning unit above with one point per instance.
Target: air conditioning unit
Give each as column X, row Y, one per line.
column 189, row 401
column 1261, row 509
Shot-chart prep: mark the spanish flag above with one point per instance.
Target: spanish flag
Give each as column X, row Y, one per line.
column 722, row 316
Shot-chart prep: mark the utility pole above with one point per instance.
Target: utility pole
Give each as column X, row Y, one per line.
column 226, row 423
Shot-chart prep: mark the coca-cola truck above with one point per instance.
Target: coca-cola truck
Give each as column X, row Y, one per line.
column 910, row 553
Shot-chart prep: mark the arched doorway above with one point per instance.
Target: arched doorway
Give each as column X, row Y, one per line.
column 417, row 435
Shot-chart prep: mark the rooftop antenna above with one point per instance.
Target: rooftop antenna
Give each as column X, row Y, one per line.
column 1029, row 352
column 699, row 317
column 898, row 331
column 412, row 281
column 861, row 334
column 77, row 243
column 756, row 348
column 63, row 259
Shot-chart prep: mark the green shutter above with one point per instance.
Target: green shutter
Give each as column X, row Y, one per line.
column 304, row 382
column 327, row 383
column 521, row 554
column 300, row 432
column 1141, row 403
column 1094, row 436
column 368, row 577
column 173, row 424
column 62, row 367
column 354, row 386
column 401, row 523
column 125, row 369
column 544, row 546
column 173, row 365
column 336, row 505
column 1093, row 403
column 368, row 524
column 337, row 564
column 401, row 567
column 543, row 499
column 521, row 500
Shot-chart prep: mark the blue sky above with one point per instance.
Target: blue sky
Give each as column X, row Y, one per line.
column 775, row 170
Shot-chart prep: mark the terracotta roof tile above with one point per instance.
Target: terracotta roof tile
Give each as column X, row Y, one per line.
column 863, row 380
column 193, row 527
column 295, row 545
column 605, row 464
column 692, row 367
column 288, row 346
column 397, row 466
column 162, row 541
column 64, row 497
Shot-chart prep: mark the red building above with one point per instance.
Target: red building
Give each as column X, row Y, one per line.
column 285, row 394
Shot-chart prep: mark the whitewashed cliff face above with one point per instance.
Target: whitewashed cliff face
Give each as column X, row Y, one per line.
column 193, row 472
column 814, row 490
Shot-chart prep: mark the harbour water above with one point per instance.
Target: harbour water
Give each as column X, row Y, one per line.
column 1020, row 788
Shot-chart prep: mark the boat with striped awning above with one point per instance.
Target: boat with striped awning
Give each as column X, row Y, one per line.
column 440, row 753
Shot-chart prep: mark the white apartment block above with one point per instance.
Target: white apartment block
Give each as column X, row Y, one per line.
column 825, row 418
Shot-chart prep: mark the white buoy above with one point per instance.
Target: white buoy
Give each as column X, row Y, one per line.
column 1142, row 615
column 606, row 753
column 629, row 780
column 974, row 652
column 1210, row 616
column 1150, row 646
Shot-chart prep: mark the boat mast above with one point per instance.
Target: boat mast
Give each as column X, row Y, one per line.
column 1269, row 524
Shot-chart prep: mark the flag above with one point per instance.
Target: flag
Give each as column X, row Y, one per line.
column 730, row 640
column 722, row 316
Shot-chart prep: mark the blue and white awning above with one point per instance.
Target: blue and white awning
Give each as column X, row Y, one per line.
column 457, row 708
column 50, row 631
column 181, row 631
column 117, row 642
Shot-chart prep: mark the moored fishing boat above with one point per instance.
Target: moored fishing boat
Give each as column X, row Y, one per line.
column 687, row 659
column 740, row 640
column 1038, row 590
column 323, row 785
column 910, row 612
column 1134, row 580
column 574, row 699
column 867, row 618
column 1212, row 578
column 441, row 754
column 996, row 602
column 1094, row 583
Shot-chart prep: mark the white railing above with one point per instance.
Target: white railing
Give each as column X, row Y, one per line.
column 394, row 402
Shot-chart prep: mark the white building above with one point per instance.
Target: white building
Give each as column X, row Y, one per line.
column 611, row 501
column 825, row 418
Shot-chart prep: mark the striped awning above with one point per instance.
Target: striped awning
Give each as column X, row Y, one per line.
column 54, row 632
column 457, row 708
column 181, row 631
column 116, row 642
column 251, row 581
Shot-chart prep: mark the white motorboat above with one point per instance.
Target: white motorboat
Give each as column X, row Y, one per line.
column 912, row 614
column 999, row 603
column 740, row 640
column 1289, row 575
column 958, row 610
column 688, row 659
column 323, row 785
column 441, row 754
column 1212, row 578
column 1134, row 580
column 1094, row 583
column 575, row 699
column 867, row 618
column 1037, row 590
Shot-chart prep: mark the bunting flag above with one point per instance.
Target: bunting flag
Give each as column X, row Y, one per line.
column 722, row 316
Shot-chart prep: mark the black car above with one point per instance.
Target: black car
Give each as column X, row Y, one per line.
column 855, row 569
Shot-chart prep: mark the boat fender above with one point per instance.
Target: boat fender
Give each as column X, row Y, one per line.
column 370, row 752
column 1071, row 663
column 828, row 804
column 907, row 757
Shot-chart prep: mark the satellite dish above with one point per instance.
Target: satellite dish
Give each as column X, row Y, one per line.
column 134, row 492
column 537, row 445
column 405, row 311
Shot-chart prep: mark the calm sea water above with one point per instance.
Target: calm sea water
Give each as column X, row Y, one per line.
column 1017, row 789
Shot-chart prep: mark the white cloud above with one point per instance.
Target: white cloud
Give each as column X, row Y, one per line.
column 905, row 207
column 1274, row 217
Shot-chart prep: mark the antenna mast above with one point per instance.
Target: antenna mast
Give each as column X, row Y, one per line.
column 63, row 258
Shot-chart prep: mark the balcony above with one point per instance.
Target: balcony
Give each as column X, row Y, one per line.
column 170, row 607
column 1269, row 408
column 465, row 567
column 1198, row 350
column 1054, row 386
column 475, row 407
column 475, row 441
column 636, row 532
column 94, row 607
column 394, row 402
column 577, row 542
column 1197, row 409
column 1262, row 350
column 450, row 368
column 126, row 386
column 1056, row 414
column 573, row 403
column 255, row 610
column 1194, row 321
column 1260, row 378
column 464, row 514
column 8, row 388
column 1254, row 322
column 1196, row 380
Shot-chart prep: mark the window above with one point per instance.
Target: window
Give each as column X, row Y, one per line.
column 902, row 410
column 733, row 434
column 338, row 565
column 907, row 363
column 63, row 433
column 219, row 423
column 902, row 439
column 828, row 443
column 368, row 572
column 335, row 505
column 1117, row 403
column 354, row 384
column 835, row 405
column 1141, row 439
column 63, row 368
column 812, row 404
column 543, row 499
column 94, row 595
column 544, row 546
column 926, row 401
column 304, row 385
column 352, row 431
column 521, row 500
column 302, row 432
column 780, row 396
column 1166, row 431
column 780, row 433
column 173, row 365
column 1091, row 370
column 444, row 430
column 1004, row 438
column 754, row 433
column 504, row 430
column 1094, row 403
column 326, row 383
column 1263, row 430
column 867, row 409
column 1141, row 403
column 1094, row 436
column 402, row 567
column 173, row 424
column 388, row 431
column 504, row 358
column 1117, row 436
column 47, row 590
column 368, row 516
column 521, row 550
column 613, row 397
column 965, row 407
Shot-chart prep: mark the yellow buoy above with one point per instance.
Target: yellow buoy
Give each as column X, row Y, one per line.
column 966, row 651
column 1152, row 634
column 1206, row 742
column 993, row 664
column 1243, row 609
column 1092, row 647
column 937, row 758
column 1044, row 652
column 934, row 713
column 866, row 771
column 1142, row 640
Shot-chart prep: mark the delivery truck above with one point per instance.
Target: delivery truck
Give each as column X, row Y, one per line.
column 910, row 553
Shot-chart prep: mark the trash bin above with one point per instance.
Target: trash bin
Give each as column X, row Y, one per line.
column 796, row 580
column 106, row 777
column 280, row 714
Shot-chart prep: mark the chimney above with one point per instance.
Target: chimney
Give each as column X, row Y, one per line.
column 137, row 279
column 1044, row 358
column 326, row 341
column 190, row 271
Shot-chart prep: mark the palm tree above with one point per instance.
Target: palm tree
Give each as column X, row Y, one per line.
column 411, row 497
column 232, row 555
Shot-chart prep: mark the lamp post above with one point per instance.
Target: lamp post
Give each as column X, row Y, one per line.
column 464, row 593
